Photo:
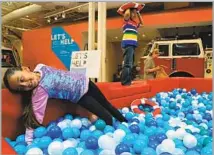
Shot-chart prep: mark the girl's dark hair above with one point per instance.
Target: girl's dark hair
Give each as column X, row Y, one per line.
column 28, row 116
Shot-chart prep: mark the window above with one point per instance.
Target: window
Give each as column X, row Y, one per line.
column 8, row 59
column 186, row 49
column 163, row 50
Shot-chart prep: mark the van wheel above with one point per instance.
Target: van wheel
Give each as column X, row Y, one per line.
column 181, row 74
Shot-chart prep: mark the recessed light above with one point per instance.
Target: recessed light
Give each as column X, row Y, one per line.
column 143, row 35
column 27, row 16
column 116, row 37
column 55, row 18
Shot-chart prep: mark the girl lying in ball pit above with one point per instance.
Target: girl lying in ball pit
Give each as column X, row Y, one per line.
column 47, row 82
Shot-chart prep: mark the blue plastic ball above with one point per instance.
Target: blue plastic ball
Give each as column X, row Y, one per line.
column 69, row 116
column 44, row 142
column 85, row 134
column 54, row 132
column 122, row 148
column 75, row 132
column 91, row 143
column 129, row 116
column 193, row 91
column 40, row 131
column 153, row 144
column 138, row 145
column 192, row 153
column 70, row 151
column 100, row 124
column 129, row 139
column 20, row 138
column 134, row 128
column 87, row 152
column 160, row 137
column 135, row 120
column 60, row 119
column 148, row 151
column 20, row 149
column 165, row 153
column 108, row 128
column 97, row 133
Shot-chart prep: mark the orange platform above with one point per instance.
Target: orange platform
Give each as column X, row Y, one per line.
column 119, row 96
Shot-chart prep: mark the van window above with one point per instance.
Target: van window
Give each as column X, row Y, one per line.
column 163, row 50
column 186, row 49
column 7, row 59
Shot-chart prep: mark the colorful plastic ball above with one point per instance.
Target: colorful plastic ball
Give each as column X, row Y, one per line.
column 40, row 131
column 97, row 133
column 100, row 124
column 34, row 151
column 135, row 120
column 125, row 110
column 20, row 149
column 55, row 147
column 87, row 152
column 129, row 139
column 60, row 119
column 69, row 143
column 44, row 142
column 76, row 132
column 153, row 144
column 193, row 91
column 129, row 116
column 166, row 117
column 192, row 153
column 189, row 141
column 134, row 128
column 138, row 145
column 20, row 138
column 68, row 116
column 165, row 153
column 108, row 128
column 106, row 152
column 118, row 135
column 160, row 137
column 58, row 139
column 85, row 134
column 106, row 142
column 122, row 148
column 207, row 151
column 70, row 151
column 76, row 123
column 91, row 143
column 207, row 140
column 54, row 132
column 148, row 151
column 85, row 122
column 67, row 133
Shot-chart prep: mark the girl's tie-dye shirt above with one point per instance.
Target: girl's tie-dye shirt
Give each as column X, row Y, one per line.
column 58, row 84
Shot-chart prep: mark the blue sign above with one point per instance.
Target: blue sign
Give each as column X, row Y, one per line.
column 63, row 45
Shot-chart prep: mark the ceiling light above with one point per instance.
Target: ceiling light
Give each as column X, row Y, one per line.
column 27, row 16
column 116, row 37
column 209, row 34
column 143, row 35
column 55, row 18
column 63, row 15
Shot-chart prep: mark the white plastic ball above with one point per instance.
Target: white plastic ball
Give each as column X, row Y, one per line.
column 107, row 152
column 133, row 123
column 76, row 123
column 184, row 90
column 178, row 97
column 62, row 125
column 106, row 142
column 110, row 134
column 189, row 141
column 126, row 124
column 178, row 151
column 55, row 147
column 71, row 142
column 118, row 135
column 92, row 128
column 169, row 145
column 180, row 133
column 154, row 99
column 141, row 118
column 126, row 153
column 160, row 149
column 68, row 121
column 125, row 110
column 201, row 105
column 34, row 151
column 85, row 122
column 170, row 134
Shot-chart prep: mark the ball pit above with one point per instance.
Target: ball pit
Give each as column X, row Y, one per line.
column 183, row 127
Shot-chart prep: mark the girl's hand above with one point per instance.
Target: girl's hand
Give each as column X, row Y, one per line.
column 93, row 118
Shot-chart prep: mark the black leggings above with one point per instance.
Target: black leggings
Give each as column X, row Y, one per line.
column 95, row 102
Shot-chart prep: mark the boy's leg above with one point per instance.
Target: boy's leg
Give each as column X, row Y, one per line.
column 89, row 103
column 95, row 92
column 127, row 67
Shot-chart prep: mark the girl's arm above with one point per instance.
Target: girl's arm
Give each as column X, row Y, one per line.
column 140, row 18
column 127, row 14
column 153, row 69
column 39, row 103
